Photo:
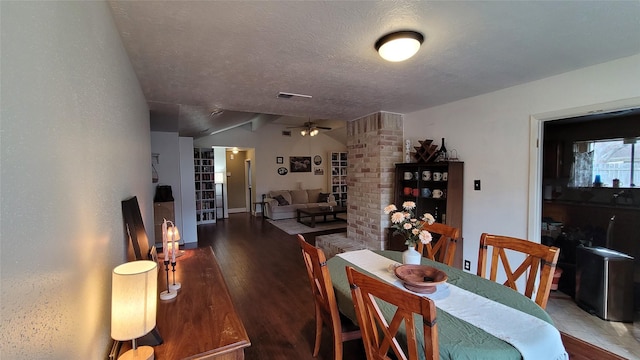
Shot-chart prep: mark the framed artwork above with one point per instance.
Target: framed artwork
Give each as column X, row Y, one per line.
column 318, row 171
column 300, row 163
column 282, row 170
column 317, row 160
column 279, row 160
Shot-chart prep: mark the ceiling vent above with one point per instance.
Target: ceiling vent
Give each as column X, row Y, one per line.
column 286, row 95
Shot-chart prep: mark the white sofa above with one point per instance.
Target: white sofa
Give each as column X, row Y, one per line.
column 294, row 199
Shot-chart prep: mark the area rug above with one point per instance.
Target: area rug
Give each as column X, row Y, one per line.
column 292, row 226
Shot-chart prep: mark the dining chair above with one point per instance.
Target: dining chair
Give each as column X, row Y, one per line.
column 378, row 335
column 445, row 248
column 538, row 256
column 326, row 308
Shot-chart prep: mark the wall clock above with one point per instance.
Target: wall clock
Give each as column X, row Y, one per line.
column 282, row 171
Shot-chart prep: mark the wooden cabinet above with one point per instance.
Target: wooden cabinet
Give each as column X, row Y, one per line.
column 201, row 322
column 338, row 178
column 436, row 188
column 205, row 186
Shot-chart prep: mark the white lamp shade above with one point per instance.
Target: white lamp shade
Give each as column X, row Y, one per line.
column 218, row 178
column 133, row 299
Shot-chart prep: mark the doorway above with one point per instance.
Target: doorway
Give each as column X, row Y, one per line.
column 240, row 179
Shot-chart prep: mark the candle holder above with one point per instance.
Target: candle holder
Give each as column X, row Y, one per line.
column 167, row 294
column 175, row 285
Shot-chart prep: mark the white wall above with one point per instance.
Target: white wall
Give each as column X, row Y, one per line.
column 491, row 135
column 188, row 229
column 269, row 143
column 74, row 143
column 175, row 168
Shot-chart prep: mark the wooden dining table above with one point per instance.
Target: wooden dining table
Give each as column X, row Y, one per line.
column 458, row 339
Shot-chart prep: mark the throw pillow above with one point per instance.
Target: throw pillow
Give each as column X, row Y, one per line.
column 322, row 197
column 281, row 200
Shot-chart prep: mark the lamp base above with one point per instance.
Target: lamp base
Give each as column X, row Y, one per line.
column 175, row 286
column 165, row 295
column 141, row 353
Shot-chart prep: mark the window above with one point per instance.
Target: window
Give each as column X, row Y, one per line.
column 606, row 160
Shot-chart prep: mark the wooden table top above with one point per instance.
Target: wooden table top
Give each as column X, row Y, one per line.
column 322, row 211
column 201, row 322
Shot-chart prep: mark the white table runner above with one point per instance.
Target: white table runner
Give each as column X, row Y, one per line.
column 534, row 338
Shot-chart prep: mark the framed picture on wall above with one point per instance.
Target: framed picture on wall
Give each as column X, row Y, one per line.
column 317, row 160
column 279, row 160
column 300, row 164
column 318, row 171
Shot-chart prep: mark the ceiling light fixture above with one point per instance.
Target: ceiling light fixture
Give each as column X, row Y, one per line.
column 312, row 131
column 399, row 46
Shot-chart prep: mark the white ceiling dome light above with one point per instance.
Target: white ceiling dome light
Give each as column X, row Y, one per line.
column 399, row 45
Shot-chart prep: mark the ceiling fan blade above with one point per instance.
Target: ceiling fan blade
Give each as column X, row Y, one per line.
column 323, row 128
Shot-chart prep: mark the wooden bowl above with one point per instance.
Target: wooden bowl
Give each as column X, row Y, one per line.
column 420, row 278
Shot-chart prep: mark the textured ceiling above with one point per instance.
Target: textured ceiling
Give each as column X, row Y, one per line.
column 195, row 58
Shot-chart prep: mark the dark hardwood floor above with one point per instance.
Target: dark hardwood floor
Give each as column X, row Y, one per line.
column 265, row 273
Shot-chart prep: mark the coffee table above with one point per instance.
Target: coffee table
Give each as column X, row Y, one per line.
column 320, row 211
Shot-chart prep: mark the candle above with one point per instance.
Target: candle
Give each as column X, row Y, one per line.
column 165, row 247
column 175, row 245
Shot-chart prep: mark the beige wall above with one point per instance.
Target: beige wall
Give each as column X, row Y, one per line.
column 491, row 134
column 75, row 142
column 269, row 143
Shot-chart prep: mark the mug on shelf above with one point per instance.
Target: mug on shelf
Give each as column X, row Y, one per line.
column 437, row 176
column 406, row 191
column 426, row 175
column 445, row 176
column 426, row 192
column 415, row 192
column 408, row 175
column 437, row 193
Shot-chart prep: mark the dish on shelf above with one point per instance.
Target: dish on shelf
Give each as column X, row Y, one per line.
column 420, row 278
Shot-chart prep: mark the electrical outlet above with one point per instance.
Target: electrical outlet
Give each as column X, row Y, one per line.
column 476, row 184
column 467, row 265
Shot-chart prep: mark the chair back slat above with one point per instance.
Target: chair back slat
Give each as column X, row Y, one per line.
column 378, row 335
column 324, row 299
column 537, row 256
column 444, row 249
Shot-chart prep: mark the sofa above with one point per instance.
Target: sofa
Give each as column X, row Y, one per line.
column 282, row 204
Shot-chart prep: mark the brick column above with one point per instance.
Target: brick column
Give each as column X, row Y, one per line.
column 374, row 146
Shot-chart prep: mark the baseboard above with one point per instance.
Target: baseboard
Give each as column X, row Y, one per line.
column 582, row 350
column 237, row 210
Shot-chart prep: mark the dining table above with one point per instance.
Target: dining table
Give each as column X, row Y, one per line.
column 477, row 318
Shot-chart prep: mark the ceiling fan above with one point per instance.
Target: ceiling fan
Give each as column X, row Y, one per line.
column 309, row 128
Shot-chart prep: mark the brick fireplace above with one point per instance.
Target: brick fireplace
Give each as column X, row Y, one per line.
column 374, row 146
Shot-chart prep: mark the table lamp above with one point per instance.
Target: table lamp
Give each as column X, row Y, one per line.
column 133, row 305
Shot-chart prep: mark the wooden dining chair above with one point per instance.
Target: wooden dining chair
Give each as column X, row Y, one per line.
column 378, row 335
column 445, row 248
column 538, row 256
column 342, row 329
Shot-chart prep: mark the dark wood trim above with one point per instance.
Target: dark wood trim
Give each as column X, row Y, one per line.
column 581, row 350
